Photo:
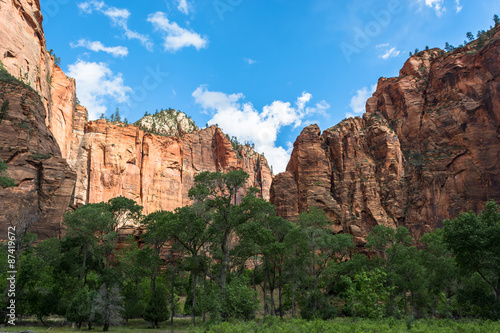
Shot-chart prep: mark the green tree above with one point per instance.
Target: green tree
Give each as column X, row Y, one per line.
column 391, row 246
column 441, row 271
column 366, row 294
column 190, row 230
column 157, row 234
column 296, row 244
column 239, row 301
column 135, row 264
column 4, row 109
column 496, row 20
column 470, row 36
column 473, row 239
column 324, row 247
column 79, row 309
column 117, row 118
column 90, row 224
column 220, row 195
column 37, row 279
column 157, row 308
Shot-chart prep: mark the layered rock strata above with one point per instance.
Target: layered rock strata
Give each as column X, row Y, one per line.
column 44, row 181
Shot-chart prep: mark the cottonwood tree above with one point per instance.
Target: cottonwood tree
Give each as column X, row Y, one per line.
column 90, row 225
column 190, row 230
column 474, row 240
column 156, row 236
column 218, row 192
column 324, row 248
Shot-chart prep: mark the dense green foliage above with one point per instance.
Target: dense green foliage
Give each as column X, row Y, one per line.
column 349, row 326
column 5, row 181
column 231, row 258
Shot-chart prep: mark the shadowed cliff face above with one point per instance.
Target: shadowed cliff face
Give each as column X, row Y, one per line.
column 44, row 180
column 24, row 55
column 427, row 148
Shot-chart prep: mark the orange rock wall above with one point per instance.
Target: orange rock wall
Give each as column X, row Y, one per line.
column 427, row 148
column 108, row 160
column 44, row 181
column 156, row 171
column 24, row 55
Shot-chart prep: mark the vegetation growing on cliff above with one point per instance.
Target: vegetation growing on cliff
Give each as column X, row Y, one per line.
column 476, row 42
column 5, row 181
column 167, row 122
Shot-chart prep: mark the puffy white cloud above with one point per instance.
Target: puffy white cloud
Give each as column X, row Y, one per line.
column 119, row 17
column 391, row 53
column 459, row 7
column 175, row 37
column 96, row 85
column 96, row 46
column 358, row 101
column 241, row 119
column 183, row 6
column 437, row 5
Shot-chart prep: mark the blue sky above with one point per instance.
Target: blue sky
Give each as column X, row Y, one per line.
column 261, row 69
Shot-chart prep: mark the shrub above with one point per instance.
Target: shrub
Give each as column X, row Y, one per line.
column 240, row 301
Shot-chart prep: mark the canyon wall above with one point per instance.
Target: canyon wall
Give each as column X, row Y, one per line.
column 427, row 148
column 156, row 171
column 44, row 181
column 24, row 55
column 58, row 159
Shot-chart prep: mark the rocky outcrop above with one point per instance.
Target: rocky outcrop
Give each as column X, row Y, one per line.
column 24, row 55
column 427, row 148
column 44, row 180
column 167, row 123
column 63, row 110
column 156, row 171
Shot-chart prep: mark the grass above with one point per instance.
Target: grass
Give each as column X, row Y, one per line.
column 272, row 324
column 353, row 325
column 134, row 325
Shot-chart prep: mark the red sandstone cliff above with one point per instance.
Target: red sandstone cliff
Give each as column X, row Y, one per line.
column 44, row 180
column 427, row 148
column 156, row 171
column 23, row 54
column 58, row 158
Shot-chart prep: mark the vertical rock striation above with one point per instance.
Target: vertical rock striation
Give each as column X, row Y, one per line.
column 156, row 171
column 44, row 181
column 427, row 148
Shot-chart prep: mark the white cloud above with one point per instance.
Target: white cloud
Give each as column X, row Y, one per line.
column 119, row 17
column 382, row 45
column 183, row 6
column 249, row 61
column 115, row 51
column 241, row 119
column 437, row 5
column 391, row 53
column 176, row 37
column 96, row 85
column 358, row 101
column 459, row 6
